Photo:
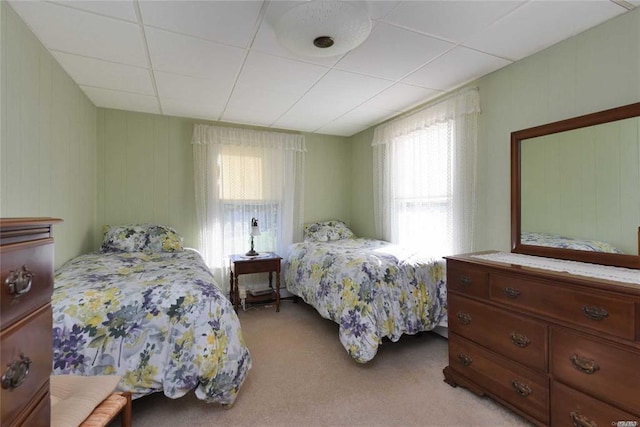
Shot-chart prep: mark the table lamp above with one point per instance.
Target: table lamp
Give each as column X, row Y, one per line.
column 255, row 231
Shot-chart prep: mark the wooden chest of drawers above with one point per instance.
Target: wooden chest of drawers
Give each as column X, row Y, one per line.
column 557, row 348
column 26, row 253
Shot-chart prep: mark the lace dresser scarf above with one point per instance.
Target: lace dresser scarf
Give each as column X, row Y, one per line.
column 619, row 274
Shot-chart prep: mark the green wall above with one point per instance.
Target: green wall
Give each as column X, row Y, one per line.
column 145, row 172
column 47, row 141
column 593, row 71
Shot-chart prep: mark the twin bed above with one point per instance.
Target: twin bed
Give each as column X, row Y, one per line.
column 148, row 310
column 371, row 288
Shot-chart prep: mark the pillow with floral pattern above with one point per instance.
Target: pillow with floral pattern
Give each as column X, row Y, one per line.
column 148, row 238
column 163, row 239
column 327, row 231
column 124, row 238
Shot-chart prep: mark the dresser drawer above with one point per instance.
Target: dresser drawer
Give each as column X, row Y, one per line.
column 466, row 279
column 570, row 408
column 21, row 262
column 593, row 310
column 517, row 337
column 506, row 380
column 31, row 338
column 599, row 368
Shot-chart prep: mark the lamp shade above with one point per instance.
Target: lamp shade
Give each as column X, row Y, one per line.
column 323, row 28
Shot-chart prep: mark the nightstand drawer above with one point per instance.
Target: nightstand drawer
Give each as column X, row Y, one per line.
column 257, row 266
column 517, row 337
column 570, row 408
column 594, row 310
column 597, row 367
column 517, row 385
column 467, row 280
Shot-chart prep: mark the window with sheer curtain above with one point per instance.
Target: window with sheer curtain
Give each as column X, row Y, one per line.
column 241, row 174
column 425, row 176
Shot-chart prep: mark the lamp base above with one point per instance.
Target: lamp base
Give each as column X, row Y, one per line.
column 252, row 253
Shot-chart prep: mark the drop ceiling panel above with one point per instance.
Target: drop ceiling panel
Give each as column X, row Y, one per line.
column 540, row 24
column 187, row 108
column 82, row 33
column 340, row 129
column 454, row 68
column 451, row 20
column 119, row 100
column 194, row 57
column 342, row 86
column 391, row 52
column 200, row 91
column 122, row 9
column 263, row 71
column 227, row 22
column 107, row 75
column 401, row 96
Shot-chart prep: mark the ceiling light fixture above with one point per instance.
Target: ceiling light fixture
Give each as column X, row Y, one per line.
column 324, row 27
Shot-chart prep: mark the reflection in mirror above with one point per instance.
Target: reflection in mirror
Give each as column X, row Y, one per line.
column 575, row 188
column 580, row 189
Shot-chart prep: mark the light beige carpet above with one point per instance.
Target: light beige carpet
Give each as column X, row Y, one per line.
column 302, row 376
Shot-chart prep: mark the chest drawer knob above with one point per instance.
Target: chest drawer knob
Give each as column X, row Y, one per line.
column 594, row 312
column 19, row 281
column 521, row 388
column 16, row 373
column 465, row 359
column 520, row 340
column 512, row 292
column 581, row 421
column 463, row 318
column 585, row 365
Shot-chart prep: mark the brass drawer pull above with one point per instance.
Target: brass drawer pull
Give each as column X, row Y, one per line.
column 465, row 281
column 519, row 339
column 19, row 281
column 594, row 312
column 522, row 389
column 585, row 365
column 581, row 421
column 465, row 359
column 16, row 373
column 512, row 292
column 463, row 318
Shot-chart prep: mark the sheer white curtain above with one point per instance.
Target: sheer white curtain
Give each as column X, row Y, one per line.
column 425, row 176
column 241, row 174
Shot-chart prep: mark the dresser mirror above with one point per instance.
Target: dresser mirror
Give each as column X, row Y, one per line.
column 575, row 188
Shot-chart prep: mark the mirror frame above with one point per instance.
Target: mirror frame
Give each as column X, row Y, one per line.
column 619, row 260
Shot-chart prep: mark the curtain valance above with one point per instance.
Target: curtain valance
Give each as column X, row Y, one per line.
column 207, row 135
column 457, row 105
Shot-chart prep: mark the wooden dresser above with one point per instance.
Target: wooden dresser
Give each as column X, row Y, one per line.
column 26, row 347
column 557, row 348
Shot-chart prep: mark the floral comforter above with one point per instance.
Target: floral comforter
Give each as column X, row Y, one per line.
column 158, row 320
column 371, row 288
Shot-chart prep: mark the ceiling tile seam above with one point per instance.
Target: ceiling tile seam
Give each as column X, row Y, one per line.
column 152, row 75
column 192, row 36
column 90, row 12
column 116, row 90
column 108, row 61
column 397, row 5
column 247, row 50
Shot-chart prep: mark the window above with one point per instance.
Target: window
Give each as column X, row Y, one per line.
column 241, row 174
column 424, row 174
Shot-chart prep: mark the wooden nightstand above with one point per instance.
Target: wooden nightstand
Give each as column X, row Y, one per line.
column 267, row 262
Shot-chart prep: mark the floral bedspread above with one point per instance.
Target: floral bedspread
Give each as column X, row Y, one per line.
column 371, row 288
column 158, row 320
